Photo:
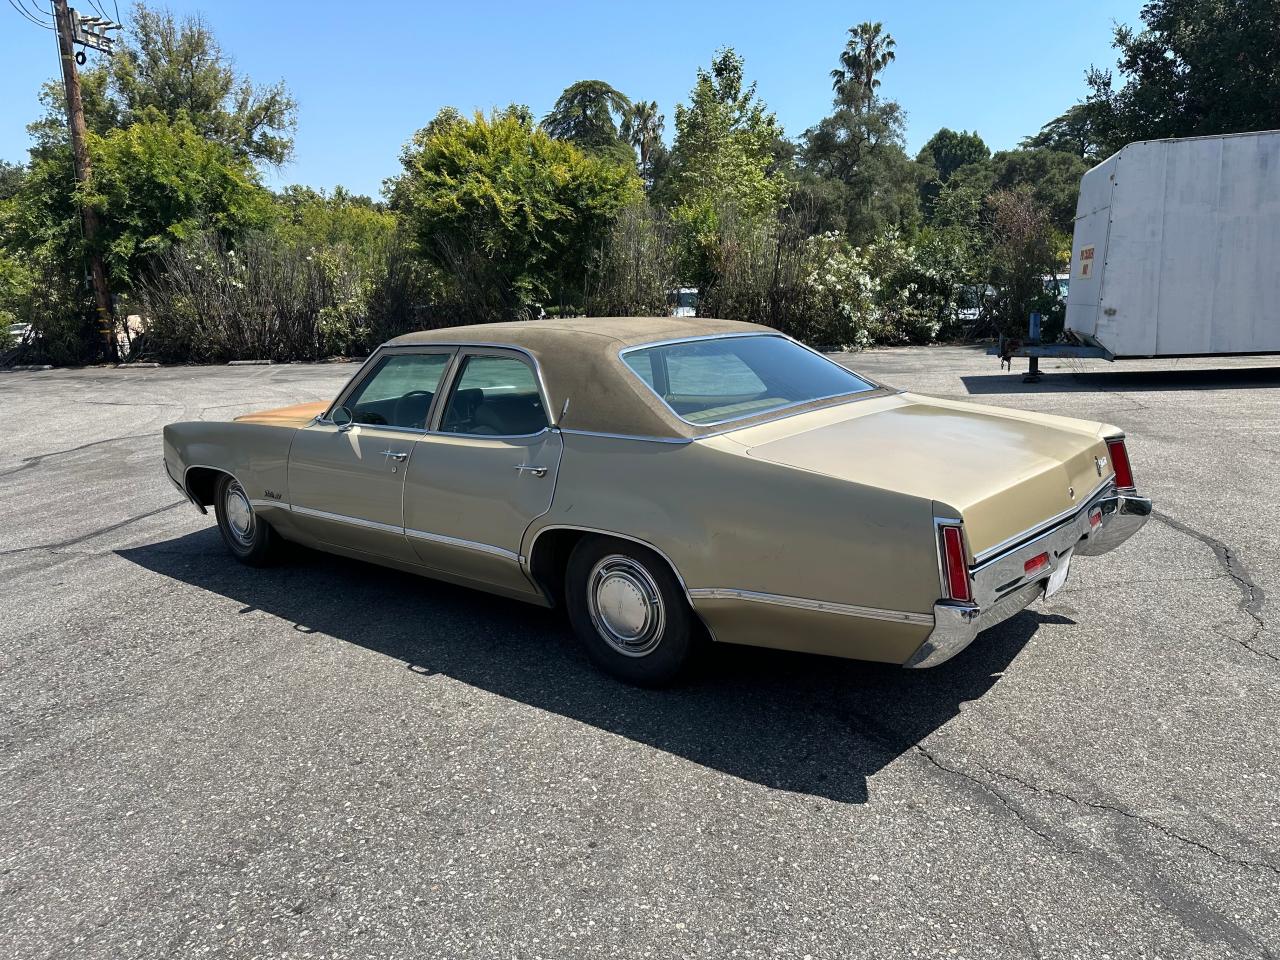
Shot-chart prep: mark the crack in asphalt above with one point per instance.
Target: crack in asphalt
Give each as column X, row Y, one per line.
column 28, row 462
column 1252, row 597
column 1136, row 818
column 1196, row 915
column 62, row 544
column 871, row 731
column 1003, row 800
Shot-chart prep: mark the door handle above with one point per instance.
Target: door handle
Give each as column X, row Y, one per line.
column 398, row 455
column 531, row 469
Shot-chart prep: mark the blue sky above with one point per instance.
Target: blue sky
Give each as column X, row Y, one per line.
column 367, row 75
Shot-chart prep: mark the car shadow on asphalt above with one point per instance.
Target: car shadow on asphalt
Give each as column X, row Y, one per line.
column 1125, row 381
column 808, row 724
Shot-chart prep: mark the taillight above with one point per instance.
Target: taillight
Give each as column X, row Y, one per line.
column 954, row 568
column 1120, row 463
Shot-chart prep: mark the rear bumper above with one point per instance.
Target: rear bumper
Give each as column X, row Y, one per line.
column 1001, row 588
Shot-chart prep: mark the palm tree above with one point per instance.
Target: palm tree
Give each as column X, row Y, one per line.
column 868, row 51
column 642, row 128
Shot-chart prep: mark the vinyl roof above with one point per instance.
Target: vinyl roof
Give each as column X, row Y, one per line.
column 580, row 366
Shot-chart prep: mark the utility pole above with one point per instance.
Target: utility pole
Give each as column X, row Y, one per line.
column 67, row 32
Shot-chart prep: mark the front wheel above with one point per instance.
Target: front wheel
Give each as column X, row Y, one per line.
column 629, row 610
column 250, row 539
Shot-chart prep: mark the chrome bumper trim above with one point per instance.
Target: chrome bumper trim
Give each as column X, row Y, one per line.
column 1001, row 586
column 1123, row 515
column 956, row 624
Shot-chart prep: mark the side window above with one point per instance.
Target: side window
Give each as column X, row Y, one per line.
column 399, row 392
column 494, row 397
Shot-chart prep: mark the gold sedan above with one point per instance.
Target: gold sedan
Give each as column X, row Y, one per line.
column 670, row 481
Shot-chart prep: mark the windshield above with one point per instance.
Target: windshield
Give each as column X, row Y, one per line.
column 730, row 378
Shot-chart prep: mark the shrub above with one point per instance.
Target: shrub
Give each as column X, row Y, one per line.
column 261, row 300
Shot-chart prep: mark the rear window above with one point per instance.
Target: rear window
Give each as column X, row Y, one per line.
column 731, row 378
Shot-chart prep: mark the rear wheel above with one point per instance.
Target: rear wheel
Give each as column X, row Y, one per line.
column 629, row 610
column 250, row 539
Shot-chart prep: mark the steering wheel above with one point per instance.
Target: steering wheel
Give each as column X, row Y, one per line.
column 371, row 419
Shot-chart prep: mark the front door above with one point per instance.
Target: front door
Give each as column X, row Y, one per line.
column 346, row 482
column 477, row 481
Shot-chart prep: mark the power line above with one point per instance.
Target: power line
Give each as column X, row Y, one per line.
column 98, row 7
column 35, row 7
column 29, row 17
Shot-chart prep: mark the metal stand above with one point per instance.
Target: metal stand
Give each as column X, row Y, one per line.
column 1033, row 339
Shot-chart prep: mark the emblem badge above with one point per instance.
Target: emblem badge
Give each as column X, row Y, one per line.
column 1100, row 464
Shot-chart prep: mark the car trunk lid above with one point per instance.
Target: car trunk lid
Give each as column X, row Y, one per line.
column 1005, row 471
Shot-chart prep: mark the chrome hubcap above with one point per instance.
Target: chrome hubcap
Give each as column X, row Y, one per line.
column 625, row 605
column 239, row 514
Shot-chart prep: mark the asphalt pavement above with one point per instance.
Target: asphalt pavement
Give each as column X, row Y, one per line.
column 328, row 759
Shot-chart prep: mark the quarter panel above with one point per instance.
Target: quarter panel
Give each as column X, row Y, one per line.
column 730, row 522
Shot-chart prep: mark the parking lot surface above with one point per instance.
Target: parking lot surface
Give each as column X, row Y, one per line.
column 328, row 759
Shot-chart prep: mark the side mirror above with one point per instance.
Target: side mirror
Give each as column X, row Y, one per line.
column 343, row 419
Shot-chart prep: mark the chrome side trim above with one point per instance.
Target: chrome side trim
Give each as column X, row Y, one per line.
column 465, row 544
column 992, row 553
column 632, row 348
column 626, row 436
column 821, row 606
column 392, row 528
column 704, row 336
column 342, row 518
column 445, row 386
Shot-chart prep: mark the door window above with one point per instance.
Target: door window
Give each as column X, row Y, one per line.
column 495, row 397
column 399, row 392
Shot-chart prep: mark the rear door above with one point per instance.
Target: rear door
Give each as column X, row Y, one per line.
column 485, row 472
column 346, row 482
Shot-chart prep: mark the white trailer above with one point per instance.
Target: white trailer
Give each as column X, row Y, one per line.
column 1176, row 251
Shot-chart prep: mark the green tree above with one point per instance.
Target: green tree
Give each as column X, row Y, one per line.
column 866, row 53
column 862, row 151
column 584, row 114
column 1052, row 177
column 948, row 150
column 722, row 162
column 11, row 177
column 177, row 68
column 359, row 226
column 1024, row 252
column 1196, row 68
column 155, row 184
column 1084, row 130
column 511, row 214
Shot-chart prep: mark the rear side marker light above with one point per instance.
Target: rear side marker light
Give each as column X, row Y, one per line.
column 1120, row 463
column 954, row 567
column 1038, row 562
